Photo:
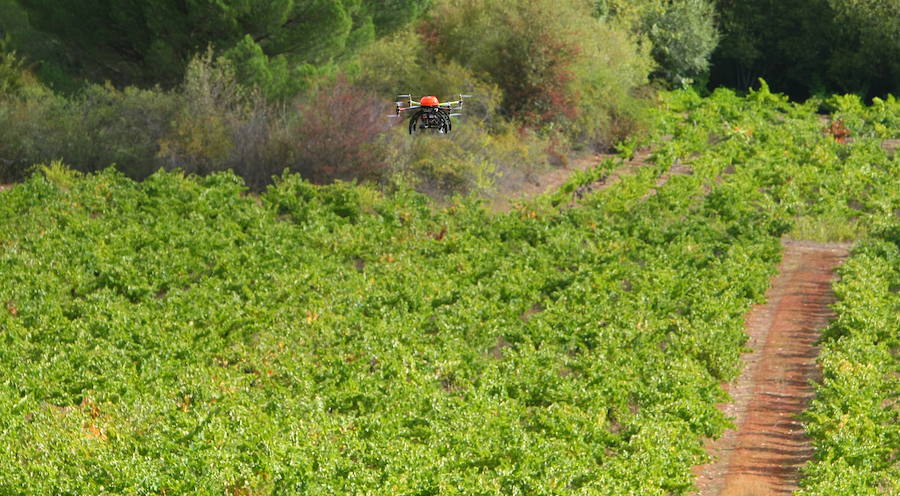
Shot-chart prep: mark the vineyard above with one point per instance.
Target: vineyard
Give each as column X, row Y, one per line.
column 181, row 336
column 855, row 420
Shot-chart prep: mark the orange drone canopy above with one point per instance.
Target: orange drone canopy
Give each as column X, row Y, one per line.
column 429, row 101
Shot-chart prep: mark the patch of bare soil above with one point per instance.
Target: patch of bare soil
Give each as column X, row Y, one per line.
column 4, row 187
column 762, row 457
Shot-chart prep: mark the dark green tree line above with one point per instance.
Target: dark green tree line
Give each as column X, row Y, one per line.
column 805, row 47
column 148, row 42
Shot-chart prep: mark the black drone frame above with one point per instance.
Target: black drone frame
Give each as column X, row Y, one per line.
column 436, row 119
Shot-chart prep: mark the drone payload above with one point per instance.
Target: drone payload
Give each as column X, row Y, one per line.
column 429, row 114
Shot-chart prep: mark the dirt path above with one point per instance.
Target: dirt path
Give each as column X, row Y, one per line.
column 762, row 457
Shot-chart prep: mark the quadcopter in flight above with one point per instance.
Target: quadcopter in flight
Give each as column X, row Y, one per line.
column 429, row 114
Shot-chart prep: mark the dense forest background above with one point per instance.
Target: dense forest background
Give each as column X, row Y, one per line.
column 306, row 85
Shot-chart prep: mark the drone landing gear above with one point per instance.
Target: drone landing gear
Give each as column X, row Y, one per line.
column 430, row 120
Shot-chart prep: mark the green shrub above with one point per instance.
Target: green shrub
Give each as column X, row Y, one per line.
column 559, row 67
column 334, row 135
column 99, row 127
column 11, row 71
column 211, row 123
column 525, row 47
column 470, row 159
column 611, row 85
column 684, row 35
column 212, row 101
column 401, row 64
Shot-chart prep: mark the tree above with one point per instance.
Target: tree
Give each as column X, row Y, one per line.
column 559, row 67
column 877, row 19
column 868, row 58
column 803, row 47
column 151, row 41
column 529, row 48
column 684, row 35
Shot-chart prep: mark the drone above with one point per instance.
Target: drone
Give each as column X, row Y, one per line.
column 429, row 114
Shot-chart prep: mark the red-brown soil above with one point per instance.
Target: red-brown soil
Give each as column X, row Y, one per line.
column 763, row 455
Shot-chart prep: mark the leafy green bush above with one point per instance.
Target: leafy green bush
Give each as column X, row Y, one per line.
column 401, row 64
column 212, row 105
column 684, row 35
column 12, row 72
column 470, row 160
column 100, row 127
column 556, row 64
column 211, row 123
column 611, row 88
column 335, row 135
column 521, row 45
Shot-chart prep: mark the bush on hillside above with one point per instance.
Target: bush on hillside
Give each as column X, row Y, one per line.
column 212, row 102
column 11, row 71
column 102, row 126
column 210, row 123
column 473, row 160
column 335, row 135
column 560, row 68
column 684, row 35
column 522, row 46
column 402, row 64
column 612, row 89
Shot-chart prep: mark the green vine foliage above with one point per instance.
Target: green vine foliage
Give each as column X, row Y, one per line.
column 854, row 421
column 179, row 335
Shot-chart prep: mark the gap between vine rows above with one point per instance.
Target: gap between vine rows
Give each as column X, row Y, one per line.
column 764, row 454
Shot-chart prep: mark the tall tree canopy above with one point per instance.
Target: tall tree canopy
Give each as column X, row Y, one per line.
column 684, row 35
column 151, row 41
column 803, row 47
